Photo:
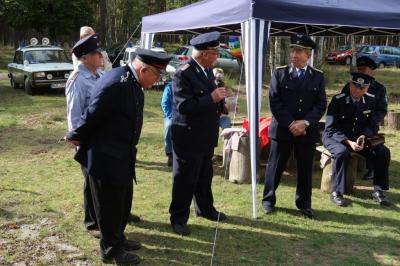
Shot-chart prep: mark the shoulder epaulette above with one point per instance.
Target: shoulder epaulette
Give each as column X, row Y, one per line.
column 318, row 70
column 185, row 67
column 280, row 67
column 340, row 95
column 370, row 94
column 74, row 74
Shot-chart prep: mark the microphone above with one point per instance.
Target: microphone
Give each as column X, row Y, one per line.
column 219, row 81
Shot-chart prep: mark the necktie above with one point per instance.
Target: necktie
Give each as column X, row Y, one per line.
column 301, row 74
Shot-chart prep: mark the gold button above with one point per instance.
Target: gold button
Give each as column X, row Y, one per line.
column 299, row 110
column 301, row 100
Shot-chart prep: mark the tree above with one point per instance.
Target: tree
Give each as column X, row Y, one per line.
column 47, row 16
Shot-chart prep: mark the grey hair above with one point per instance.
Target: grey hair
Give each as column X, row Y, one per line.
column 86, row 31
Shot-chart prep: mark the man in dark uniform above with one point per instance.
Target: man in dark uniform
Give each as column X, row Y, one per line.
column 350, row 119
column 107, row 135
column 197, row 108
column 367, row 66
column 297, row 101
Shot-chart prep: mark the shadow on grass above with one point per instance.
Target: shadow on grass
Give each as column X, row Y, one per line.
column 153, row 166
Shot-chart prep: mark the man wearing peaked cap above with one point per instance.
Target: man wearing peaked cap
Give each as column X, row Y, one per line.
column 349, row 121
column 107, row 134
column 195, row 123
column 367, row 66
column 77, row 91
column 297, row 101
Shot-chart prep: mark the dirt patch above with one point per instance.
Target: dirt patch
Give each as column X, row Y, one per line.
column 28, row 247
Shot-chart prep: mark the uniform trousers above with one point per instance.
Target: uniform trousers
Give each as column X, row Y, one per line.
column 90, row 215
column 380, row 155
column 112, row 204
column 279, row 155
column 192, row 178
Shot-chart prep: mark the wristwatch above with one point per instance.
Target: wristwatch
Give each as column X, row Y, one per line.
column 306, row 123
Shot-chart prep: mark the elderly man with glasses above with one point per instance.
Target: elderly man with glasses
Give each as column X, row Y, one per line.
column 349, row 121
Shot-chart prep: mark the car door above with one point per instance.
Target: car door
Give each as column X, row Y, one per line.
column 19, row 64
column 396, row 55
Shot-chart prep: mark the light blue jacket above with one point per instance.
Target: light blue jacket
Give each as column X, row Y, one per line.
column 167, row 103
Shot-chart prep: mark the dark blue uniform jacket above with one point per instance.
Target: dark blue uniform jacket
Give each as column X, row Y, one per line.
column 111, row 126
column 195, row 120
column 291, row 99
column 347, row 120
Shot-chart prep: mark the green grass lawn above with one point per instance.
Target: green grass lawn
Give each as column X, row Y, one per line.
column 41, row 204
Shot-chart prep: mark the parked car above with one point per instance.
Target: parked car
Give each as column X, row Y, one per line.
column 225, row 60
column 39, row 66
column 342, row 55
column 382, row 55
column 130, row 54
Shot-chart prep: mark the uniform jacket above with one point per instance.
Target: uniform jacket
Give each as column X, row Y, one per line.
column 111, row 126
column 347, row 120
column 292, row 99
column 381, row 101
column 195, row 120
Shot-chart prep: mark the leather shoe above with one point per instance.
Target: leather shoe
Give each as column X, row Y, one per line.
column 268, row 209
column 95, row 233
column 131, row 245
column 308, row 213
column 133, row 218
column 214, row 216
column 181, row 229
column 380, row 198
column 123, row 258
column 338, row 199
column 368, row 175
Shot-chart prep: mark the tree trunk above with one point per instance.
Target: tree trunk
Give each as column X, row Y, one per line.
column 103, row 21
column 394, row 120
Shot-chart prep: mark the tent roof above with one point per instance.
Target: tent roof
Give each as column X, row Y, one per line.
column 314, row 17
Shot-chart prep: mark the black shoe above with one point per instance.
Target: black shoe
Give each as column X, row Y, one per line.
column 338, row 199
column 268, row 209
column 95, row 233
column 368, row 175
column 131, row 245
column 133, row 218
column 380, row 198
column 308, row 213
column 181, row 229
column 214, row 216
column 123, row 258
column 169, row 161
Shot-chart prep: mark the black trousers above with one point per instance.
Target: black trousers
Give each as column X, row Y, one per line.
column 380, row 155
column 279, row 155
column 192, row 178
column 90, row 215
column 112, row 204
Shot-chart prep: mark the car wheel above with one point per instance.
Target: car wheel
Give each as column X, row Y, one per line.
column 28, row 87
column 347, row 61
column 14, row 85
column 381, row 65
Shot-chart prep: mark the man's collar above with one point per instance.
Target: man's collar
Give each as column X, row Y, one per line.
column 86, row 72
column 197, row 62
column 133, row 71
column 293, row 68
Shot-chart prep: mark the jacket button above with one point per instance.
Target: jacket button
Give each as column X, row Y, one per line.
column 356, row 118
column 189, row 128
column 301, row 100
column 201, row 91
column 342, row 116
column 300, row 110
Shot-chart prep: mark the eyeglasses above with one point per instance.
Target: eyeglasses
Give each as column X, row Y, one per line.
column 213, row 52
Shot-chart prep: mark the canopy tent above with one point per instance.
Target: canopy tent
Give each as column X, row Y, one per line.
column 256, row 20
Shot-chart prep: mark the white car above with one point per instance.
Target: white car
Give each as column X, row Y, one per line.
column 39, row 66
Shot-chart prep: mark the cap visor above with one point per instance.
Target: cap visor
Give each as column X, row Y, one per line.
column 300, row 46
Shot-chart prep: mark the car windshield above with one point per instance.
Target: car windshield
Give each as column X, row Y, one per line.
column 368, row 49
column 46, row 56
column 344, row 48
column 182, row 51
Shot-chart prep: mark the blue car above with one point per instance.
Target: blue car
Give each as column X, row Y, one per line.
column 382, row 55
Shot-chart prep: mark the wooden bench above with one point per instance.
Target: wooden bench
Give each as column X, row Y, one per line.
column 356, row 164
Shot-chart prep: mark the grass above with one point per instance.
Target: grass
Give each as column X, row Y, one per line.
column 41, row 185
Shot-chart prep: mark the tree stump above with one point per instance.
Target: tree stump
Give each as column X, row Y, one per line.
column 394, row 120
column 239, row 168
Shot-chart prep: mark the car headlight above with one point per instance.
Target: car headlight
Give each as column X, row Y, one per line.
column 341, row 55
column 49, row 76
column 66, row 75
column 39, row 74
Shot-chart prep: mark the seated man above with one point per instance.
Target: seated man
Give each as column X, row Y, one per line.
column 349, row 120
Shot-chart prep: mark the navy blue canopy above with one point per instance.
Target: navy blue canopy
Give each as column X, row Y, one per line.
column 313, row 17
column 257, row 20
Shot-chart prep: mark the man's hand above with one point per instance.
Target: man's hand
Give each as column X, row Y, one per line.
column 298, row 128
column 354, row 146
column 74, row 142
column 218, row 94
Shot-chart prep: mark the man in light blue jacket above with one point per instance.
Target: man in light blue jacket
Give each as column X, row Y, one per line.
column 167, row 107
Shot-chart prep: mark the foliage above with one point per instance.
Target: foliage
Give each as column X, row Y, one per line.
column 53, row 17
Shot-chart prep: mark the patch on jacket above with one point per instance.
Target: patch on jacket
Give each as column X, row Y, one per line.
column 125, row 78
column 366, row 111
column 185, row 67
column 340, row 96
column 280, row 67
